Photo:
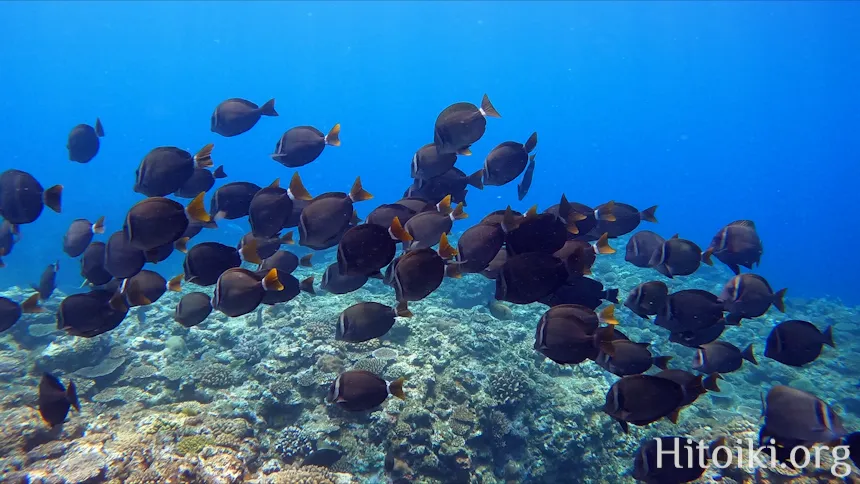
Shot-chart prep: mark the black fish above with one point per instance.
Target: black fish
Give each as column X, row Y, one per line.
column 364, row 321
column 678, row 257
column 530, row 277
column 10, row 311
column 584, row 218
column 55, row 400
column 93, row 264
column 384, row 214
column 83, row 142
column 494, row 268
column 526, row 182
column 477, row 247
column 462, row 124
column 89, row 314
column 676, row 462
column 417, row 273
column 367, row 248
column 624, row 357
column 453, row 182
column 195, row 227
column 206, row 261
column 156, row 221
column 690, row 310
column 22, row 197
column 428, row 163
column 325, row 219
column 626, row 217
column 545, row 233
column 272, row 206
column 9, row 236
column 236, row 116
column 165, row 169
column 47, row 281
column 647, row 299
column 579, row 256
column 202, row 180
column 192, row 309
column 643, row 399
column 239, row 291
column 583, row 290
column 796, row 414
column 359, row 390
column 162, row 252
column 80, row 234
column 694, row 385
column 796, row 343
column 695, row 339
column 322, row 458
column 566, row 339
column 122, row 260
column 291, row 287
column 750, row 296
column 737, row 244
column 425, row 228
column 265, row 247
column 232, row 200
column 144, row 288
column 721, row 357
column 304, row 144
column 506, row 161
column 417, row 205
column 642, row 246
column 284, row 261
column 336, row 283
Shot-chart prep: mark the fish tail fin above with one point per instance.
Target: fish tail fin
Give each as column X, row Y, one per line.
column 31, row 305
column 249, row 252
column 357, row 193
column 662, row 362
column 118, row 302
column 487, row 108
column 649, row 214
column 297, row 190
column 607, row 315
column 402, row 309
column 445, row 250
column 710, row 382
column 271, row 281
column 602, row 246
column 333, row 136
column 196, row 210
column 175, row 283
column 748, row 355
column 778, row 300
column 99, row 226
column 268, row 109
column 305, row 260
column 453, row 271
column 397, row 232
column 508, row 222
column 444, row 205
column 288, row 238
column 99, row 129
column 219, row 172
column 307, row 285
column 476, row 179
column 606, row 213
column 612, row 295
column 396, row 388
column 706, row 256
column 53, row 198
column 72, row 396
column 828, row 337
column 181, row 244
column 203, row 158
column 531, row 143
column 465, row 151
column 458, row 213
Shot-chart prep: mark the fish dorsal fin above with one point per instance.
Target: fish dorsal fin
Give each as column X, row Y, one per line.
column 532, row 212
column 276, row 183
column 675, row 237
column 744, row 223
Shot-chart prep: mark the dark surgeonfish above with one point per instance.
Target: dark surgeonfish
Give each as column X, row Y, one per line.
column 571, row 334
column 677, row 463
column 678, row 257
column 206, row 261
column 582, row 290
column 579, row 256
column 192, row 309
column 285, row 261
column 426, row 228
column 462, row 124
column 690, row 310
column 80, row 234
column 365, row 321
column 453, row 182
column 202, row 180
column 10, row 311
column 165, row 169
column 642, row 246
column 507, row 161
column 428, row 163
column 239, row 291
column 627, row 218
column 336, row 283
column 232, row 200
column 156, row 221
column 417, row 273
column 584, row 218
column 624, row 357
column 22, row 197
column 121, row 259
column 322, row 458
column 93, row 264
column 83, row 143
column 795, row 414
column 89, row 314
column 55, row 400
column 367, row 248
column 526, row 182
column 384, row 214
column 291, row 287
column 304, row 144
column 47, row 281
column 328, row 216
column 545, row 232
column 737, row 244
column 643, row 399
column 236, row 116
column 647, row 299
column 750, row 296
column 796, row 343
column 694, row 385
column 360, row 390
column 477, row 247
column 265, row 246
column 9, row 236
column 696, row 338
column 272, row 206
column 721, row 357
column 530, row 277
column 144, row 288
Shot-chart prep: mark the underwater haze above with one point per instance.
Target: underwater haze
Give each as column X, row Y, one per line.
column 714, row 112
